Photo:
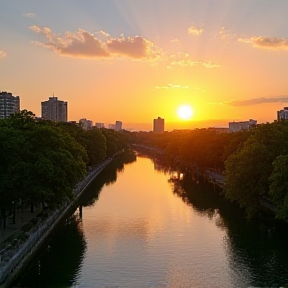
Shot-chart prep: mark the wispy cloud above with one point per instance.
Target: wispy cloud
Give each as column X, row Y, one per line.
column 29, row 15
column 2, row 54
column 184, row 60
column 225, row 34
column 195, row 30
column 256, row 101
column 86, row 45
column 272, row 43
column 171, row 86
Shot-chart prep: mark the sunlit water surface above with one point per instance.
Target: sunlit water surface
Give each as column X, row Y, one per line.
column 148, row 230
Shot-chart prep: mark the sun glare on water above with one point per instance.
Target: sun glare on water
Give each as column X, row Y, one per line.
column 185, row 112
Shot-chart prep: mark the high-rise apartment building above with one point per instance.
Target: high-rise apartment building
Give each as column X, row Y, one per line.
column 118, row 125
column 54, row 109
column 9, row 104
column 158, row 125
column 282, row 114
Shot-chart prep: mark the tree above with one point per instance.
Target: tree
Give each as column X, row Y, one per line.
column 279, row 186
column 39, row 161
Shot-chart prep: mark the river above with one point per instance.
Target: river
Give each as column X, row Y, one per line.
column 142, row 225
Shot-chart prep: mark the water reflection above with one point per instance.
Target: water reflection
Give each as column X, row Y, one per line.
column 107, row 177
column 61, row 257
column 160, row 226
column 257, row 249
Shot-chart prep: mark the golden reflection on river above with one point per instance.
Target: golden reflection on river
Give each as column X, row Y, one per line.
column 139, row 222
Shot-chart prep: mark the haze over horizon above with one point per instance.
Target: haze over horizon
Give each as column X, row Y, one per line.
column 136, row 60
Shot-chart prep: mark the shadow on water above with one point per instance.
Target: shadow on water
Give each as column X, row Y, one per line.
column 257, row 248
column 62, row 256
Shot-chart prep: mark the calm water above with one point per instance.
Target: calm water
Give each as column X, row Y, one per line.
column 143, row 227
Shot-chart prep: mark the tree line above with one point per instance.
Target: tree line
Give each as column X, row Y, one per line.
column 255, row 162
column 41, row 161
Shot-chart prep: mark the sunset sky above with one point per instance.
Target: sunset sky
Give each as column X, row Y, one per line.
column 135, row 60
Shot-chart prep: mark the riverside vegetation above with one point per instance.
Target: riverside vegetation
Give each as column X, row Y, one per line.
column 255, row 162
column 41, row 161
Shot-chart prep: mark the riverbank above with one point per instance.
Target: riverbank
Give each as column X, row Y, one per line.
column 16, row 255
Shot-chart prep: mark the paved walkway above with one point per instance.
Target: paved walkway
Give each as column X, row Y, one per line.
column 22, row 218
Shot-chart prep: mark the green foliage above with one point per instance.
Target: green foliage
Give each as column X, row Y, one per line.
column 38, row 161
column 249, row 171
column 42, row 160
column 279, row 186
column 114, row 141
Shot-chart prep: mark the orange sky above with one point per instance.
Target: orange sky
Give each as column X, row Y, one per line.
column 134, row 61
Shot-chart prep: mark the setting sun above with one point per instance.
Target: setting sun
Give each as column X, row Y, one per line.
column 185, row 112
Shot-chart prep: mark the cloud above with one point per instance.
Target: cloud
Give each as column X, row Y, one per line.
column 133, row 47
column 171, row 86
column 104, row 33
column 195, row 31
column 86, row 45
column 29, row 15
column 272, row 43
column 225, row 34
column 78, row 44
column 256, row 101
column 2, row 54
column 184, row 60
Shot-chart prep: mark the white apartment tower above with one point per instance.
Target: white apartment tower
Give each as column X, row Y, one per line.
column 9, row 104
column 54, row 109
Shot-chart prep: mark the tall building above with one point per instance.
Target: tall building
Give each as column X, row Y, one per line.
column 99, row 125
column 54, row 109
column 118, row 125
column 241, row 126
column 282, row 114
column 86, row 124
column 9, row 104
column 158, row 125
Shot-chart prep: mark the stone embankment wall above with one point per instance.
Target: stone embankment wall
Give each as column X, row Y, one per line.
column 12, row 261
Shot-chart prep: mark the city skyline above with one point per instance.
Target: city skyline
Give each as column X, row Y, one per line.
column 224, row 59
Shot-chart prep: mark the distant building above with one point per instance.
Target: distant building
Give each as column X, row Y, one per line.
column 241, row 126
column 86, row 124
column 282, row 114
column 158, row 125
column 99, row 125
column 118, row 125
column 54, row 109
column 111, row 126
column 9, row 104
